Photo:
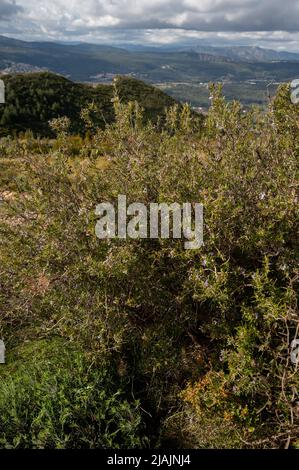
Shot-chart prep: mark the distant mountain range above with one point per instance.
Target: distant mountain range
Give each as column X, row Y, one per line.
column 249, row 53
column 97, row 63
column 235, row 53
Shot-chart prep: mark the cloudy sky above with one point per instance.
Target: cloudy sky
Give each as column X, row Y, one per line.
column 267, row 23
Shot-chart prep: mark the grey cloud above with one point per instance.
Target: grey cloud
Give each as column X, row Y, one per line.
column 209, row 15
column 146, row 19
column 200, row 15
column 9, row 8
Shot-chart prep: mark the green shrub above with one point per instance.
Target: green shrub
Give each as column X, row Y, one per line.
column 216, row 323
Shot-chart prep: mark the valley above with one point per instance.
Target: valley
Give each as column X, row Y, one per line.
column 247, row 73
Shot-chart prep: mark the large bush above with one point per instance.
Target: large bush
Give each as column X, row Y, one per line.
column 202, row 337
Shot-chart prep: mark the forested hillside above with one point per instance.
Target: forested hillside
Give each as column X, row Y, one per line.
column 34, row 99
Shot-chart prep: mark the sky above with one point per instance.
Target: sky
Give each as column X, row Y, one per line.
column 265, row 23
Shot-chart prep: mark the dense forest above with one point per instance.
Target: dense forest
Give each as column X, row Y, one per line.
column 141, row 343
column 34, row 99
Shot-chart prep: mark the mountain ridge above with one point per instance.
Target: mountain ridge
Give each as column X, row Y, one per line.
column 83, row 62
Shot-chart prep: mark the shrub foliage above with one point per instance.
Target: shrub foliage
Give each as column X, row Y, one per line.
column 201, row 337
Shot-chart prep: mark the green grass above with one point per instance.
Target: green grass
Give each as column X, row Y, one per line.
column 51, row 396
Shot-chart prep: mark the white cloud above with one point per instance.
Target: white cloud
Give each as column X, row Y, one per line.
column 161, row 21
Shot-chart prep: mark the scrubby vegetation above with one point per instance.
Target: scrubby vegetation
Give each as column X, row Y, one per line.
column 141, row 343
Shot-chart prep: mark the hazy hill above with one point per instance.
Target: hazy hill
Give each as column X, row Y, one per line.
column 33, row 99
column 247, row 53
column 234, row 53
